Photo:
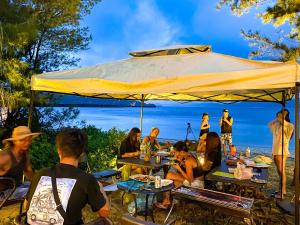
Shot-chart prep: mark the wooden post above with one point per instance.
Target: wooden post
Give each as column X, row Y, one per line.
column 141, row 116
column 30, row 112
column 297, row 155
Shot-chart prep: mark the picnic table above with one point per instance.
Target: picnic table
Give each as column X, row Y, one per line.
column 138, row 187
column 221, row 174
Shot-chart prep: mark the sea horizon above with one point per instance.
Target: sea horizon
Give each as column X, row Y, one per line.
column 250, row 125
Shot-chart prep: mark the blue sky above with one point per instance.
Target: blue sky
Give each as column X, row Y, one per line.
column 121, row 26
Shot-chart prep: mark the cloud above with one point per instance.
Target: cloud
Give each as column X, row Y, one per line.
column 149, row 28
column 139, row 25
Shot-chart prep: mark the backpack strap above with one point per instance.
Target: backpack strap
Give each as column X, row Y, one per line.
column 59, row 206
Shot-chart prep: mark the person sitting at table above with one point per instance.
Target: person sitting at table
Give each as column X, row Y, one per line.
column 14, row 158
column 187, row 171
column 75, row 188
column 212, row 154
column 130, row 148
column 152, row 139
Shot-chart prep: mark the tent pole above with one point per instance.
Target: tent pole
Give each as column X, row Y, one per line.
column 30, row 113
column 282, row 142
column 297, row 154
column 141, row 116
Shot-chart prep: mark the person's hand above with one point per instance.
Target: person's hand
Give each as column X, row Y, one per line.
column 176, row 167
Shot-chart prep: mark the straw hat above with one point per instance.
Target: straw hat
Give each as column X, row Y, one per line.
column 19, row 133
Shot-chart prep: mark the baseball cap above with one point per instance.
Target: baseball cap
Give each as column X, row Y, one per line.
column 225, row 110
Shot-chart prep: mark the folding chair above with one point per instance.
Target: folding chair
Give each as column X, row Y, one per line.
column 7, row 188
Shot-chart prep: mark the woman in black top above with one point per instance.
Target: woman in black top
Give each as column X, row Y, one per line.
column 130, row 148
column 204, row 128
column 187, row 169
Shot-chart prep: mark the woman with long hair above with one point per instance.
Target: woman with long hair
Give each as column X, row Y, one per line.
column 130, row 148
column 280, row 155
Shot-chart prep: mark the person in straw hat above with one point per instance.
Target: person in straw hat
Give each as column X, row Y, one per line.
column 14, row 159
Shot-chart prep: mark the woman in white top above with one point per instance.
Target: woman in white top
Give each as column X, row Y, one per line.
column 280, row 155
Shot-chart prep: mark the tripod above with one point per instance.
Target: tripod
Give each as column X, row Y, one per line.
column 189, row 130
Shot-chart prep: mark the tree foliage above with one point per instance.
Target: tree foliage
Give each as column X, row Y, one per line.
column 36, row 36
column 277, row 12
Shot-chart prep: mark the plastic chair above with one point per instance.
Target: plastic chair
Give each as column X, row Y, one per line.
column 7, row 188
column 130, row 220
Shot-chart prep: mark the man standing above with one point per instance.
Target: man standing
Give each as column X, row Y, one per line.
column 226, row 122
column 58, row 194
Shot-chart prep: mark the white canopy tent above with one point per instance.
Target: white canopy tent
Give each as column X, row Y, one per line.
column 200, row 76
column 204, row 76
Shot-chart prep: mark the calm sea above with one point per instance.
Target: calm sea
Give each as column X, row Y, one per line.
column 249, row 125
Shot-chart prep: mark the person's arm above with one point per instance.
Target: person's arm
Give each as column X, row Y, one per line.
column 28, row 168
column 124, row 148
column 221, row 120
column 97, row 198
column 271, row 124
column 204, row 125
column 105, row 210
column 5, row 163
column 229, row 122
column 158, row 146
column 289, row 131
column 130, row 154
column 178, row 168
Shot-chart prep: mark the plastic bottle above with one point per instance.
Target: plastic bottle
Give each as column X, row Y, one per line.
column 248, row 152
column 142, row 153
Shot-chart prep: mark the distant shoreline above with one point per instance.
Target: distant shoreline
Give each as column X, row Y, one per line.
column 96, row 106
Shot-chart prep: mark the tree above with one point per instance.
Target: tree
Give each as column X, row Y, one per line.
column 17, row 29
column 36, row 36
column 278, row 12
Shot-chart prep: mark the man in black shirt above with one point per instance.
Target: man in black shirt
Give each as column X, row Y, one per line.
column 226, row 122
column 75, row 187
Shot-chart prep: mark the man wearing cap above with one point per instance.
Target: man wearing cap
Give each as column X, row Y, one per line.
column 226, row 122
column 14, row 159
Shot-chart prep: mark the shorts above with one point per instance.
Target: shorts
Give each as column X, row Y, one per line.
column 226, row 138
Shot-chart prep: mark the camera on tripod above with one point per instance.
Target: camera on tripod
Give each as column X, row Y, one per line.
column 189, row 130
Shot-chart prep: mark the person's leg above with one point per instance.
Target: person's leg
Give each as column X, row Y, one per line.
column 178, row 180
column 280, row 162
column 223, row 143
column 284, row 175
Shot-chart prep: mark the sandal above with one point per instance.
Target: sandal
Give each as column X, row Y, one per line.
column 162, row 206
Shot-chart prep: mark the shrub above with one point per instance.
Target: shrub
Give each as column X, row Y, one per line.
column 103, row 147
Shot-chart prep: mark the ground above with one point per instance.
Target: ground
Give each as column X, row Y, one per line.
column 264, row 210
